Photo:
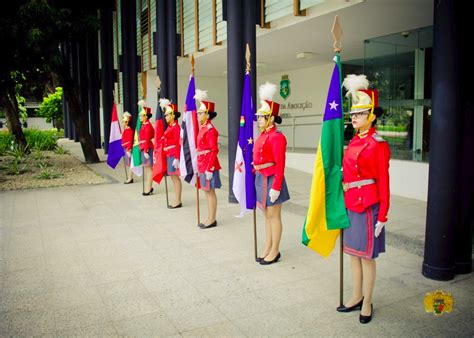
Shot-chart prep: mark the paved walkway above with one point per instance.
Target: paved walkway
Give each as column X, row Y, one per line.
column 102, row 260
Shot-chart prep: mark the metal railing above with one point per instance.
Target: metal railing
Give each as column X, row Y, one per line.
column 294, row 124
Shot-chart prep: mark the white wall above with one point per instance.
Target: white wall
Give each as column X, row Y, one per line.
column 407, row 178
column 308, row 91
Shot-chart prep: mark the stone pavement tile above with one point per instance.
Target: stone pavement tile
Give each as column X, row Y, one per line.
column 111, row 272
column 126, row 299
column 307, row 314
column 97, row 248
column 71, row 281
column 27, row 249
column 88, row 314
column 241, row 305
column 17, row 264
column 223, row 287
column 100, row 330
column 27, row 280
column 465, row 282
column 404, row 258
column 155, row 324
column 140, row 260
column 126, row 289
column 72, row 297
column 191, row 317
column 267, row 324
column 23, row 301
column 173, row 291
column 68, row 263
column 209, row 272
column 388, row 266
column 120, row 309
column 295, row 292
column 223, row 329
column 31, row 323
column 4, row 323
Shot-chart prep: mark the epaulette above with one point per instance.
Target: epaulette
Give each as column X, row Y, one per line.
column 377, row 137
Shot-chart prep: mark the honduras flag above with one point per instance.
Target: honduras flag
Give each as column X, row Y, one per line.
column 115, row 140
column 244, row 178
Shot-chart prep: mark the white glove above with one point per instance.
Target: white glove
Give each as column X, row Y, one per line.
column 176, row 163
column 146, row 155
column 274, row 194
column 378, row 228
column 208, row 175
column 129, row 153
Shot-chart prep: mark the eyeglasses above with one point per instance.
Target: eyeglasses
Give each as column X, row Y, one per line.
column 358, row 115
column 201, row 112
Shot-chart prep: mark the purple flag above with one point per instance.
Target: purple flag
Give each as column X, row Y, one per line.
column 244, row 178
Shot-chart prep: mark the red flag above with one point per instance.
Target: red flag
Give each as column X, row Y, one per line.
column 159, row 156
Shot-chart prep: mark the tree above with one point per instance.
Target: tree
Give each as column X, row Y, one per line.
column 52, row 108
column 34, row 30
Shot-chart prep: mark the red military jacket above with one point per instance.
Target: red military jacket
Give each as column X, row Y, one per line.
column 147, row 133
column 271, row 148
column 127, row 139
column 171, row 139
column 207, row 148
column 367, row 157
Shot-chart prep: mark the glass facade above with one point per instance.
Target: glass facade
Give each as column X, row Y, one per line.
column 399, row 67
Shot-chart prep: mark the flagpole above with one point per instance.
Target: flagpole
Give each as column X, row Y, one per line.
column 247, row 70
column 255, row 232
column 197, row 174
column 166, row 189
column 197, row 199
column 337, row 35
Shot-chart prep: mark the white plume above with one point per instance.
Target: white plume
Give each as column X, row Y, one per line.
column 200, row 95
column 164, row 103
column 266, row 91
column 353, row 83
column 142, row 103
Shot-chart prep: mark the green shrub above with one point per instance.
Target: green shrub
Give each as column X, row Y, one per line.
column 19, row 154
column 61, row 151
column 5, row 141
column 36, row 139
column 52, row 107
column 15, row 167
column 47, row 174
column 41, row 139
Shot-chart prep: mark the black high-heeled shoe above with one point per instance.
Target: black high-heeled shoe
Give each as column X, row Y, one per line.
column 344, row 308
column 176, row 206
column 366, row 319
column 128, row 182
column 148, row 193
column 259, row 259
column 264, row 262
column 207, row 226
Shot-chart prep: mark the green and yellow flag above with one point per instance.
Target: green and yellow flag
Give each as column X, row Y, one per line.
column 327, row 213
column 136, row 163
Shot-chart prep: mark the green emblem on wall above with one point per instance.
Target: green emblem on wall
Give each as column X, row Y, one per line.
column 285, row 87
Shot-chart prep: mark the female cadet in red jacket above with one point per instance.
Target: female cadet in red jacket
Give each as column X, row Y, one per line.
column 127, row 143
column 207, row 149
column 147, row 133
column 366, row 194
column 269, row 154
column 172, row 148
